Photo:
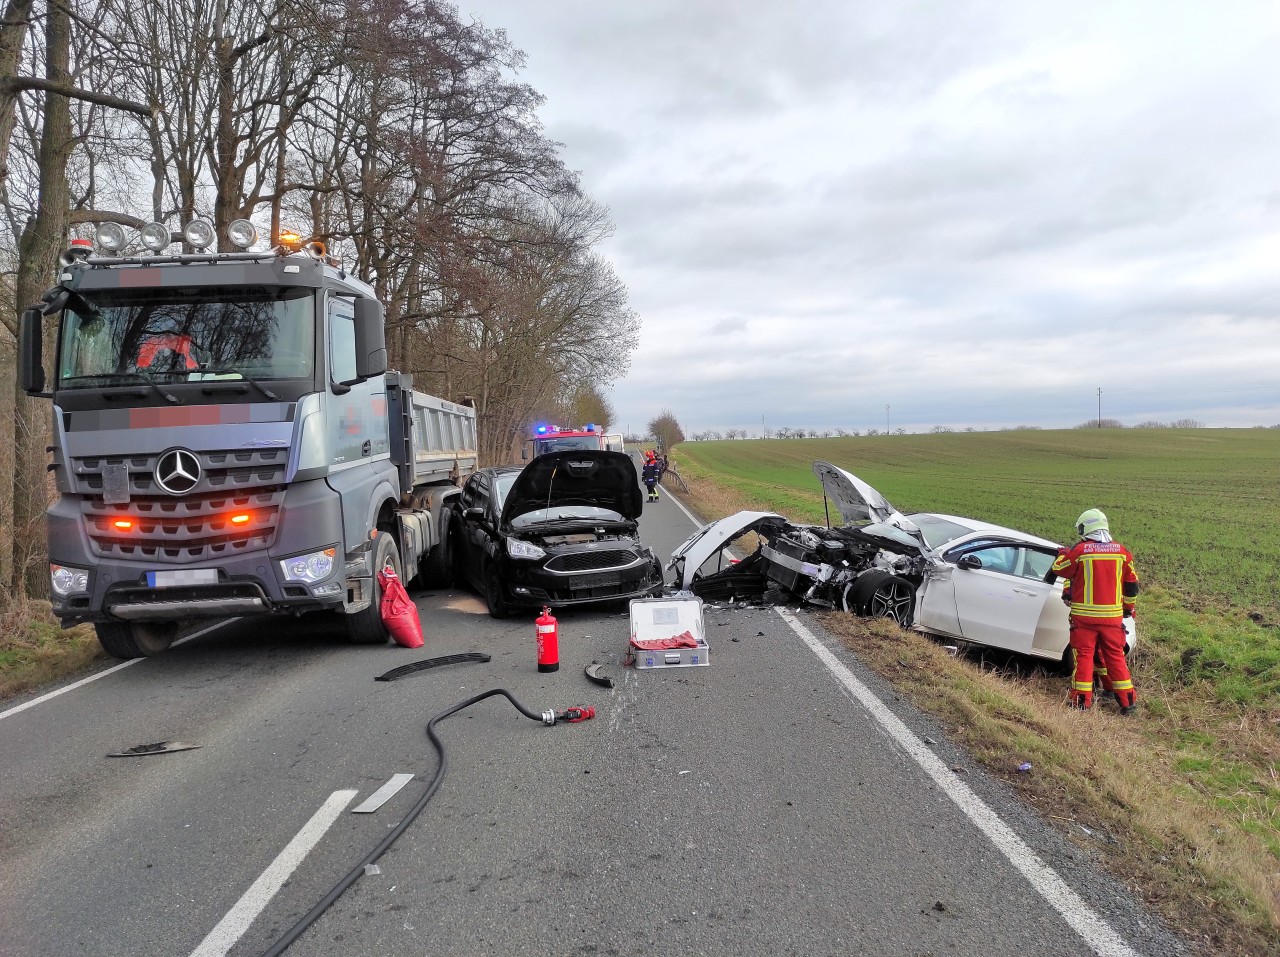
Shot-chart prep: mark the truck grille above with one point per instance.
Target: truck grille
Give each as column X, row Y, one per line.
column 591, row 561
column 168, row 529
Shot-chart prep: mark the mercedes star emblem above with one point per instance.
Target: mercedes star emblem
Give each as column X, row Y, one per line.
column 178, row 471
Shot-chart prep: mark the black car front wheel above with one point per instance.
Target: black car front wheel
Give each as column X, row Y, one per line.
column 881, row 594
column 494, row 595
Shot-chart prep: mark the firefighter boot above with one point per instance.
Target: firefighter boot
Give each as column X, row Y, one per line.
column 1081, row 700
column 1127, row 701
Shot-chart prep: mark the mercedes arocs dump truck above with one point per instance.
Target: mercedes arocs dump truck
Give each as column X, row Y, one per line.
column 227, row 441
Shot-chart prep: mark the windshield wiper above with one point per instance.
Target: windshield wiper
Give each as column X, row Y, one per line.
column 169, row 396
column 227, row 370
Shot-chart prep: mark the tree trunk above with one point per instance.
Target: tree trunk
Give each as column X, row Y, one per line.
column 17, row 16
column 38, row 250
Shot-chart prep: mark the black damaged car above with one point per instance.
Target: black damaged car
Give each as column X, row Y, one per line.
column 560, row 531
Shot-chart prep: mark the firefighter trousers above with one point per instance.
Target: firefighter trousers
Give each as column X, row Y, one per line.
column 1106, row 640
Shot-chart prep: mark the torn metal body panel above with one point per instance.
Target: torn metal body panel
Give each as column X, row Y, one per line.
column 959, row 578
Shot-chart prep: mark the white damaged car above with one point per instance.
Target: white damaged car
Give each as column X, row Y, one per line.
column 959, row 578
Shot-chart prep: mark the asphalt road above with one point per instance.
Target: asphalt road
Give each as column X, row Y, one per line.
column 759, row 805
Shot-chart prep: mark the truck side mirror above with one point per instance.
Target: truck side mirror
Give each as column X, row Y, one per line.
column 31, row 351
column 371, row 339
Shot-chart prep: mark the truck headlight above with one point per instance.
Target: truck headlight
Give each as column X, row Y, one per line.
column 309, row 568
column 521, row 549
column 68, row 581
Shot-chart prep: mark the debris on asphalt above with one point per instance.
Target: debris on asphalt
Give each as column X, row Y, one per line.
column 423, row 665
column 160, row 747
column 371, row 869
column 595, row 675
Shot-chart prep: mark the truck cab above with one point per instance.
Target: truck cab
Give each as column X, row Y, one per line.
column 552, row 438
column 228, row 441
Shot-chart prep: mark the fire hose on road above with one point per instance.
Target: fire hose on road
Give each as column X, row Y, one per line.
column 549, row 717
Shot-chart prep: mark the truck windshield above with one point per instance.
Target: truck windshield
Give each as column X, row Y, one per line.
column 179, row 335
column 563, row 442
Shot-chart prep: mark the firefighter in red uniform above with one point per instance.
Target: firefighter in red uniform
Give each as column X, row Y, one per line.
column 1100, row 589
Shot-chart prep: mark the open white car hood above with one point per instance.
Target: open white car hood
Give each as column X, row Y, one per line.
column 710, row 539
column 856, row 500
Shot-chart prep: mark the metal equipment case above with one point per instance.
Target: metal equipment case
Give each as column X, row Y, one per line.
column 656, row 619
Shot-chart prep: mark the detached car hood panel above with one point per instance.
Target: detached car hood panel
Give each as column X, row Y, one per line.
column 589, row 477
column 712, row 538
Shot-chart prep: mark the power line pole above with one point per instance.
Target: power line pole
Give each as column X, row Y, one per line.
column 1099, row 406
column 886, row 418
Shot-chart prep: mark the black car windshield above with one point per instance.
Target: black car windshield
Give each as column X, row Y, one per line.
column 180, row 335
column 936, row 531
column 556, row 513
column 561, row 513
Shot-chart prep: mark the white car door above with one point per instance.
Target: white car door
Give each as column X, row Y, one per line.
column 936, row 602
column 995, row 605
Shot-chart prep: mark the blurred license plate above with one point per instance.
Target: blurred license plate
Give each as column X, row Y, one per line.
column 596, row 581
column 183, row 576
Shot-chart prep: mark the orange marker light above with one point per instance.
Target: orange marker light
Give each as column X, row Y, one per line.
column 123, row 524
column 240, row 519
column 290, row 239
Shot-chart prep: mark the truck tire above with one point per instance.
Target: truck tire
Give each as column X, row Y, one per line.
column 135, row 639
column 436, row 567
column 365, row 627
column 494, row 598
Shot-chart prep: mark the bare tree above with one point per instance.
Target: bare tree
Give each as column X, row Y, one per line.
column 666, row 430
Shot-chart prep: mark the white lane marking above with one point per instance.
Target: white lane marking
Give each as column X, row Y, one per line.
column 102, row 674
column 383, row 794
column 237, row 920
column 1095, row 932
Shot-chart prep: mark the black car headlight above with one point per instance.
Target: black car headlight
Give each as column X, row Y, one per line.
column 518, row 548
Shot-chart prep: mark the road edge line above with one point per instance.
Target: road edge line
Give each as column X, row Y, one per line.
column 101, row 674
column 1086, row 922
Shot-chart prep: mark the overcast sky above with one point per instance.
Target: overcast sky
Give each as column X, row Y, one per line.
column 976, row 212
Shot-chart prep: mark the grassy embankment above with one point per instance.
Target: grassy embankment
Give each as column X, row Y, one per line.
column 1182, row 802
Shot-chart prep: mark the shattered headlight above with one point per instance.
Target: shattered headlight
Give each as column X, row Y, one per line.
column 518, row 548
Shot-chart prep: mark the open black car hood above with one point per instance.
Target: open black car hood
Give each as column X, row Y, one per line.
column 575, row 477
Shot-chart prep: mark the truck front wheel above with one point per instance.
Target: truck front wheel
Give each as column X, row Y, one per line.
column 135, row 639
column 365, row 627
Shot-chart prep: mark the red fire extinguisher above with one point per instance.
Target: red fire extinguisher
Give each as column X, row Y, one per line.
column 548, row 642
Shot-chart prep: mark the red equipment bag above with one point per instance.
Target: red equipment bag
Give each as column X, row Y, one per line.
column 398, row 611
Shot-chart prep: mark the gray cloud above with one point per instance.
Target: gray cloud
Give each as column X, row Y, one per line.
column 975, row 212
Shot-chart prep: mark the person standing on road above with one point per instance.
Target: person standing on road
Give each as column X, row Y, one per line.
column 650, row 475
column 1100, row 589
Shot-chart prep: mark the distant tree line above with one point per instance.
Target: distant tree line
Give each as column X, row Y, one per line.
column 391, row 130
column 788, row 432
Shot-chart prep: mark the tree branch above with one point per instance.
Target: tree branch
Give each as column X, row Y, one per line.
column 17, row 84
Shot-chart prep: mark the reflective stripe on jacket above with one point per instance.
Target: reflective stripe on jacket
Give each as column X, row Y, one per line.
column 1102, row 580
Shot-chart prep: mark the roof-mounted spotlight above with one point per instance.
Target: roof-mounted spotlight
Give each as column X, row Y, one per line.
column 109, row 237
column 198, row 234
column 242, row 234
column 155, row 236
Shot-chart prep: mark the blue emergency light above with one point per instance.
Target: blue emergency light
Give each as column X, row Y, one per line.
column 542, row 430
